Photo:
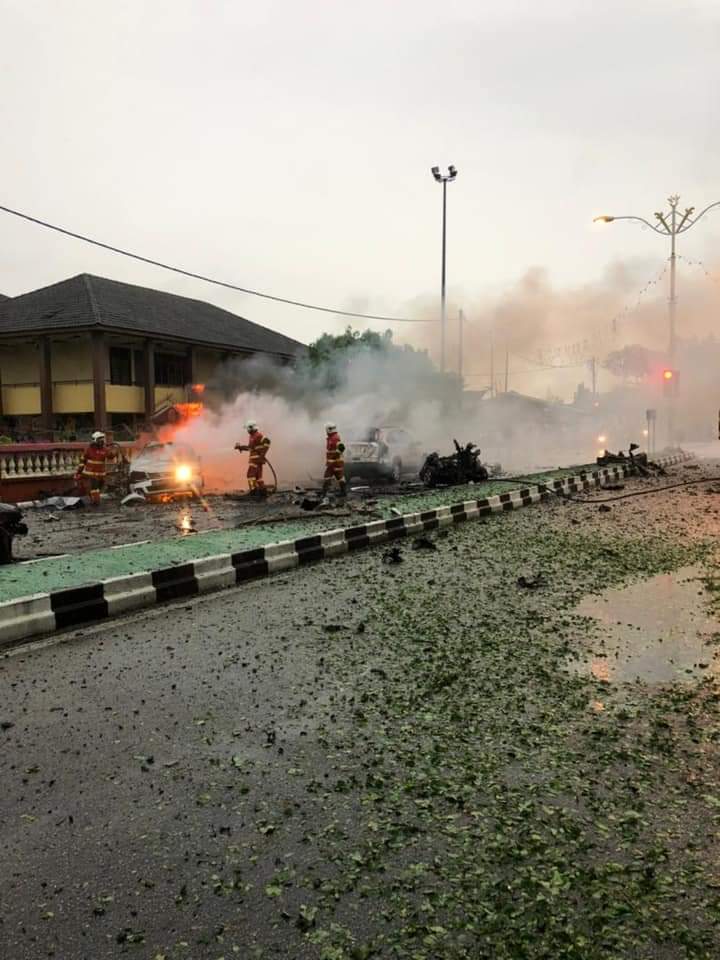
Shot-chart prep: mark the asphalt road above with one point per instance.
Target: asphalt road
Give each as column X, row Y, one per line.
column 371, row 759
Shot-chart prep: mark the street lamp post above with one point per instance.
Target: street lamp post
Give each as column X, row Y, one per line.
column 444, row 179
column 669, row 225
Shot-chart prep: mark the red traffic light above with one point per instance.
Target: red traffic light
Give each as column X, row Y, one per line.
column 670, row 382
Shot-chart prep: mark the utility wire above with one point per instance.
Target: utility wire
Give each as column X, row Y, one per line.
column 205, row 279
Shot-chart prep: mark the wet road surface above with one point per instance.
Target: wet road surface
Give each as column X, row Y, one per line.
column 369, row 758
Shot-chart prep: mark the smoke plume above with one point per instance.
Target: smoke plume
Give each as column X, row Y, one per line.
column 541, row 337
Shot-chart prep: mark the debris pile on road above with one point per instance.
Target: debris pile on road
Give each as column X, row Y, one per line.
column 463, row 466
column 11, row 526
column 60, row 503
column 639, row 461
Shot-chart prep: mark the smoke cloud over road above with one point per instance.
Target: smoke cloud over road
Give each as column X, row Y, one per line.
column 549, row 334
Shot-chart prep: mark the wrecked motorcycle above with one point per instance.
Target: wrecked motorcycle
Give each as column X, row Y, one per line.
column 463, row 466
column 639, row 461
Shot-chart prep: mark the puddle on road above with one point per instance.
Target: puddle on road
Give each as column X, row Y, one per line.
column 659, row 631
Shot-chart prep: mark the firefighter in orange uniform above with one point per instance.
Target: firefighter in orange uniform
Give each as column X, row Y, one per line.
column 257, row 446
column 94, row 466
column 334, row 459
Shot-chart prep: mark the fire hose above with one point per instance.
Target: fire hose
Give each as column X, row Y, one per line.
column 273, row 488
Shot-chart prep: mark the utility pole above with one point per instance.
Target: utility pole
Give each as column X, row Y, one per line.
column 492, row 373
column 507, row 366
column 593, row 367
column 444, row 179
column 461, row 321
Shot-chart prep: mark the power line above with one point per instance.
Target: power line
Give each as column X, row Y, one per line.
column 200, row 276
column 702, row 265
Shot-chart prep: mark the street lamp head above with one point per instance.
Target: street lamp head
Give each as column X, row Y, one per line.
column 452, row 171
column 436, row 173
column 603, row 219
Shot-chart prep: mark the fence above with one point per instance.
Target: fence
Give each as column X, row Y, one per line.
column 26, row 461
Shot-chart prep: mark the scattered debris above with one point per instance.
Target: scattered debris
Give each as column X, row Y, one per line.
column 423, row 543
column 640, row 461
column 604, row 508
column 132, row 498
column 532, row 581
column 60, row 503
column 393, row 555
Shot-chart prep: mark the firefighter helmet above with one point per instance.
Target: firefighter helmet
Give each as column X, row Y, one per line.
column 251, row 426
column 97, row 436
column 330, row 427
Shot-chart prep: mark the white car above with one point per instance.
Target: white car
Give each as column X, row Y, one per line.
column 171, row 469
column 384, row 453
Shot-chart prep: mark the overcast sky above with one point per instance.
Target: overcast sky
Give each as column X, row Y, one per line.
column 286, row 145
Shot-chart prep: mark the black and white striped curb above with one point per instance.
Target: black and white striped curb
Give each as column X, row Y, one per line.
column 47, row 612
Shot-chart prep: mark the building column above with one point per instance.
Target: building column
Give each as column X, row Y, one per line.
column 191, row 366
column 149, row 372
column 99, row 366
column 46, row 385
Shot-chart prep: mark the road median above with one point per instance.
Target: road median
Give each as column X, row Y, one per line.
column 43, row 612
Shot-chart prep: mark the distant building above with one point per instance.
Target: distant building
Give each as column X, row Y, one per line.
column 90, row 352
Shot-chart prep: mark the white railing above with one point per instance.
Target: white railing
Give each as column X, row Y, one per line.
column 22, row 462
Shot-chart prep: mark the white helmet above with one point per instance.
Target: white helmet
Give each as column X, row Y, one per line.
column 330, row 427
column 250, row 426
column 98, row 435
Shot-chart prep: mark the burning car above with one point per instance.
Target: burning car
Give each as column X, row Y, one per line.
column 384, row 453
column 166, row 470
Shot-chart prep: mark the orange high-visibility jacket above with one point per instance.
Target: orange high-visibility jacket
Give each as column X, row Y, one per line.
column 334, row 450
column 258, row 445
column 94, row 461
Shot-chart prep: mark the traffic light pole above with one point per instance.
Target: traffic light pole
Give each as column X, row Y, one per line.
column 669, row 225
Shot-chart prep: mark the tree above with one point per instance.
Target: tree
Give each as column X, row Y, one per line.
column 372, row 363
column 632, row 362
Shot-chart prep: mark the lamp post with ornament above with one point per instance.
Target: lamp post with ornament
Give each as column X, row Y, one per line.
column 670, row 223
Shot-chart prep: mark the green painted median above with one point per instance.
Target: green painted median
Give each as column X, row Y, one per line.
column 22, row 580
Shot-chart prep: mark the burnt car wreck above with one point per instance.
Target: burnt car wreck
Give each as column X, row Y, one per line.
column 166, row 471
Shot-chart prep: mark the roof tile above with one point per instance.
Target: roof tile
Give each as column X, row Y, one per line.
column 87, row 301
